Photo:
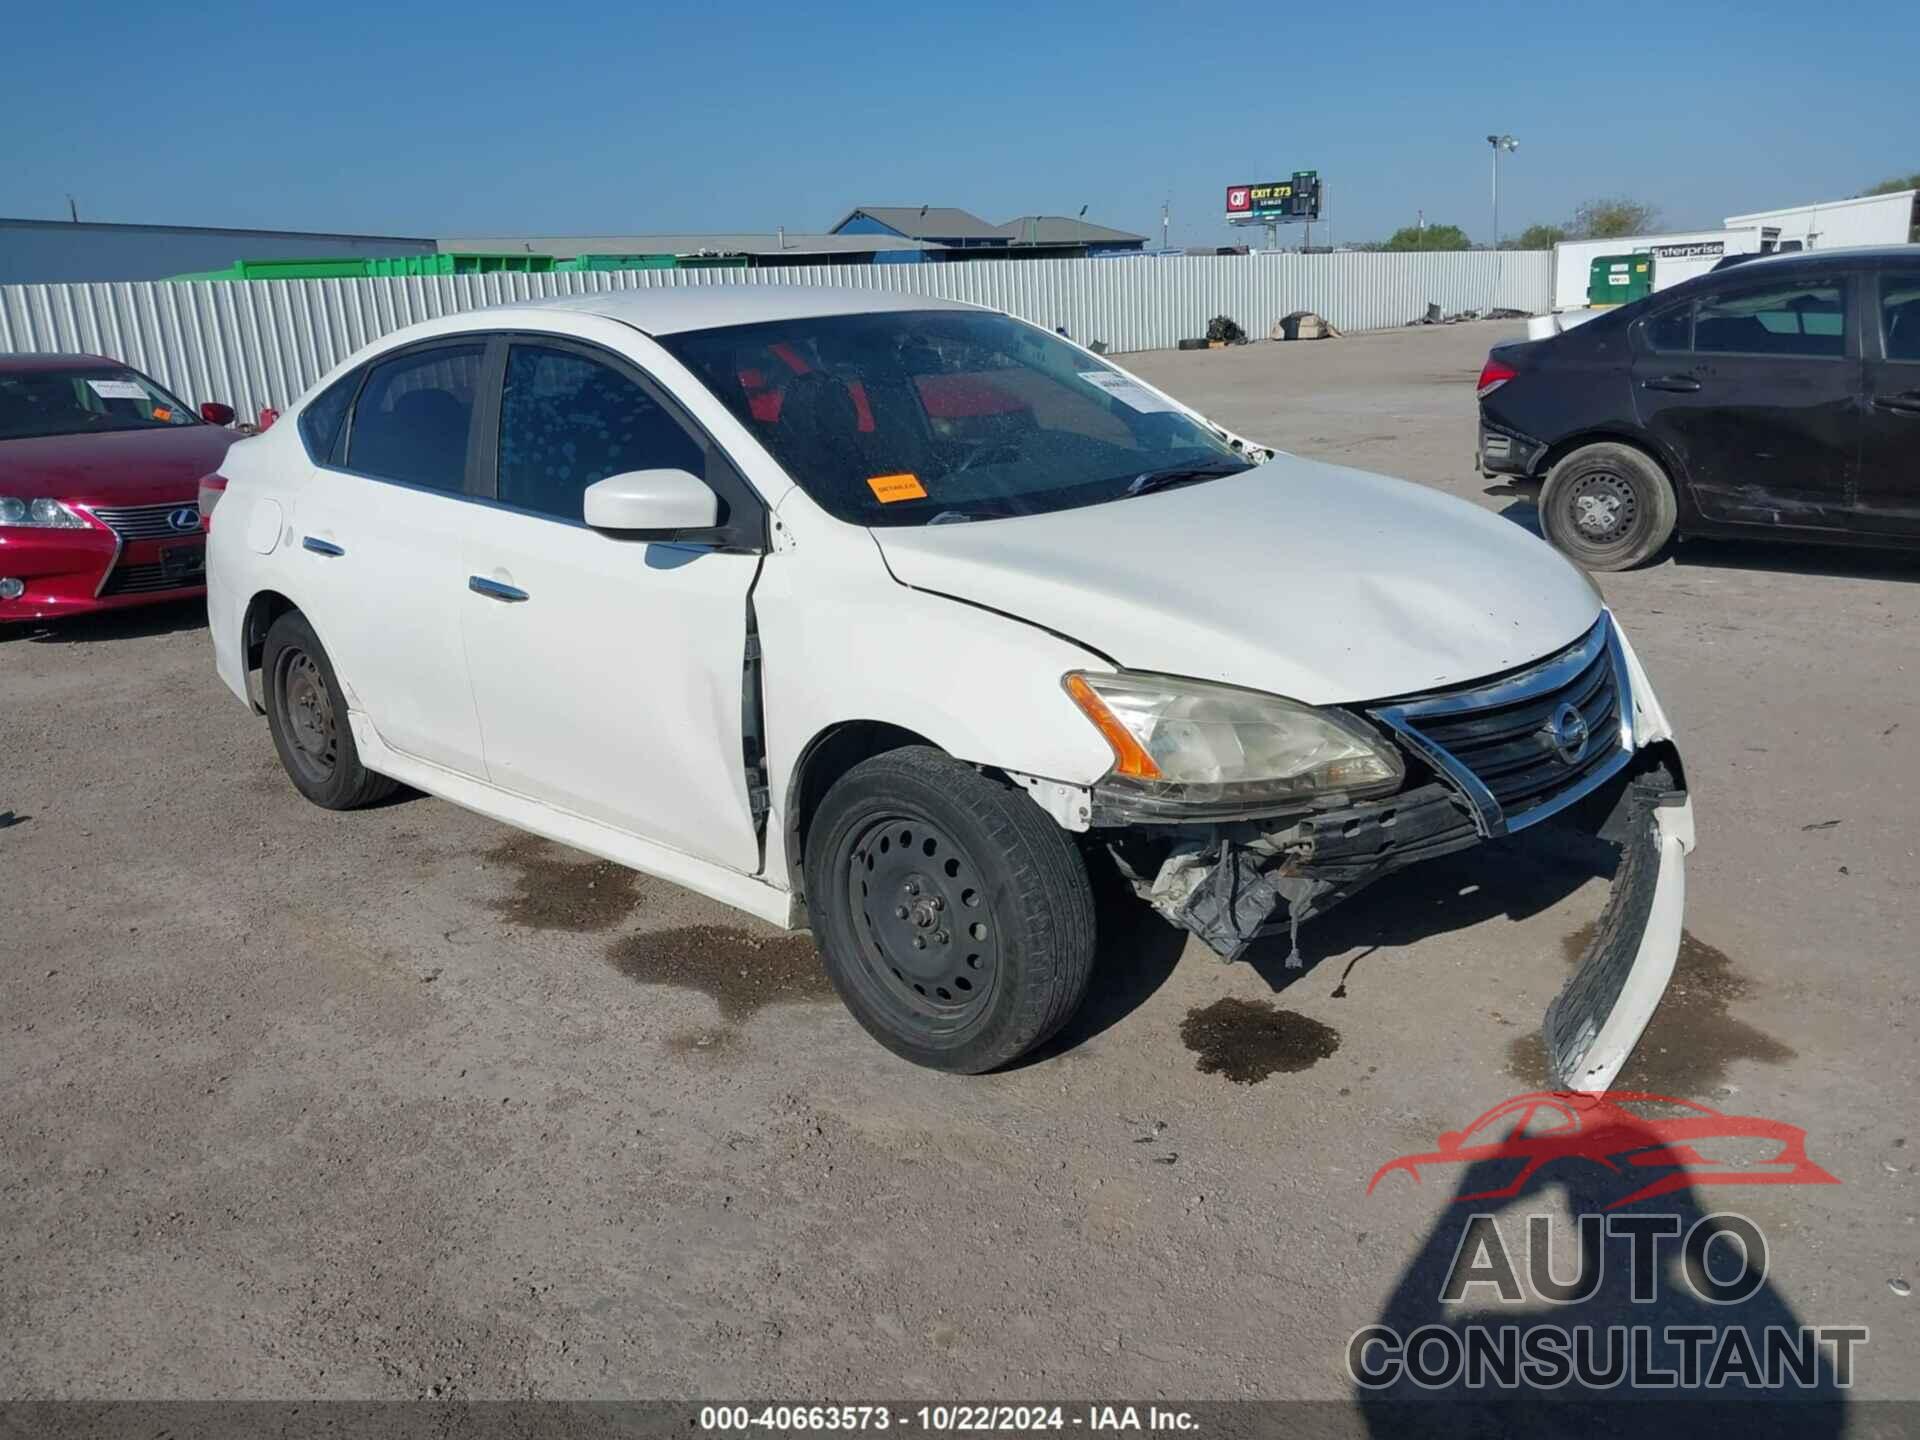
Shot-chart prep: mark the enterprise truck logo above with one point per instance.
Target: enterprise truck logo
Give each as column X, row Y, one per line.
column 1694, row 251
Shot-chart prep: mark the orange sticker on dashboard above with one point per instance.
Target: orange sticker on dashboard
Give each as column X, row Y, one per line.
column 888, row 489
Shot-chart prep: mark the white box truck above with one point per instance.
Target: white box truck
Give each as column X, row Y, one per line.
column 1676, row 257
column 1865, row 220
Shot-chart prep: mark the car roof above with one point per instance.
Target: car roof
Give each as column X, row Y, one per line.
column 672, row 310
column 1839, row 255
column 16, row 364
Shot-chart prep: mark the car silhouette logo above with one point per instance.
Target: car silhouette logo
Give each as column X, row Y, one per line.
column 1669, row 1142
column 187, row 517
column 1566, row 731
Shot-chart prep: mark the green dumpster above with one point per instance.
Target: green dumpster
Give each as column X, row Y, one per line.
column 360, row 268
column 1617, row 279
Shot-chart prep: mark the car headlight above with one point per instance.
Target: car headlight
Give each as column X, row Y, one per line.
column 1189, row 750
column 41, row 514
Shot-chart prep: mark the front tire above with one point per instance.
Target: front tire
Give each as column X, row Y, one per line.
column 307, row 714
column 1608, row 507
column 955, row 919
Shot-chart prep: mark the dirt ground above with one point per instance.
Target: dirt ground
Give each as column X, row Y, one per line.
column 403, row 1104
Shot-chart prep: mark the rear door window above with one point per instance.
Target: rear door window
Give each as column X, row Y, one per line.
column 414, row 415
column 567, row 421
column 1799, row 319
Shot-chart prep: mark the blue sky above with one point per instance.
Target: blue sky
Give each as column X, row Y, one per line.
column 577, row 119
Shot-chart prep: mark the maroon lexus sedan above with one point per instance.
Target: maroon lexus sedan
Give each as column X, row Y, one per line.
column 100, row 472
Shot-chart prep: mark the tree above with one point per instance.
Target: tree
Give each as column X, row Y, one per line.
column 1612, row 217
column 1429, row 237
column 1537, row 237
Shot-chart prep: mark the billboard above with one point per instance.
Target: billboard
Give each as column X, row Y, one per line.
column 1275, row 201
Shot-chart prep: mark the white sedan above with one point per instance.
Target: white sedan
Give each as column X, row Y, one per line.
column 889, row 617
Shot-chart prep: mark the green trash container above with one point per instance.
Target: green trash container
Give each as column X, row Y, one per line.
column 652, row 262
column 377, row 265
column 1618, row 279
column 455, row 263
column 617, row 262
column 316, row 269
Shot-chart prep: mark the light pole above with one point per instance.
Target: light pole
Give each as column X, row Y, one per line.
column 1499, row 143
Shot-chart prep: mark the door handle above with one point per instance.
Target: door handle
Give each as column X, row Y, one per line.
column 494, row 590
column 1900, row 404
column 321, row 547
column 1681, row 384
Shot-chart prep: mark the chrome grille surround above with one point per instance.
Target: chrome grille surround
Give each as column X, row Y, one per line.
column 144, row 522
column 1495, row 742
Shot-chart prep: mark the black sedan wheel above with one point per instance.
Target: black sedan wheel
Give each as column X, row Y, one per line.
column 955, row 918
column 308, row 717
column 1608, row 507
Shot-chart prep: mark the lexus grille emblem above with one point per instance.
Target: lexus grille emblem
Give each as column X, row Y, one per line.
column 1567, row 733
column 185, row 518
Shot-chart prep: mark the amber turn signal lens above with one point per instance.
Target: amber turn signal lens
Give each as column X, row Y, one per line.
column 1128, row 757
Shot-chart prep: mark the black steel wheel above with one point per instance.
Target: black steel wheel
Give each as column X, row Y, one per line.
column 308, row 717
column 926, row 941
column 1608, row 507
column 954, row 917
column 306, row 714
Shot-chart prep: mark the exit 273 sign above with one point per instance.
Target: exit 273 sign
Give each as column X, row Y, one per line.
column 1295, row 199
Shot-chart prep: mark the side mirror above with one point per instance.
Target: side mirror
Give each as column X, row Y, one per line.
column 214, row 413
column 652, row 504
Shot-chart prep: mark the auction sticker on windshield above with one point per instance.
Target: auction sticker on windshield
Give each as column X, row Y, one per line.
column 1126, row 391
column 888, row 489
column 117, row 390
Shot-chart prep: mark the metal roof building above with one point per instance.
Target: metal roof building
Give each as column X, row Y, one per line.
column 942, row 224
column 770, row 247
column 1085, row 236
column 46, row 252
column 1030, row 236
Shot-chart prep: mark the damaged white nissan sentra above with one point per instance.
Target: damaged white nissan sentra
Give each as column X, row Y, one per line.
column 888, row 617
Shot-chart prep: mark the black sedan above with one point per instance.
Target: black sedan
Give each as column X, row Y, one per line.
column 1776, row 398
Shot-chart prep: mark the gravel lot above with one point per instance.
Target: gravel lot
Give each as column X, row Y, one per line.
column 403, row 1104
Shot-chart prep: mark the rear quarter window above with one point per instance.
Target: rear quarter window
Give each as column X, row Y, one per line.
column 320, row 421
column 1671, row 330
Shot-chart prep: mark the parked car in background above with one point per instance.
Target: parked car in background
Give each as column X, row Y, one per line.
column 885, row 616
column 1779, row 398
column 100, row 472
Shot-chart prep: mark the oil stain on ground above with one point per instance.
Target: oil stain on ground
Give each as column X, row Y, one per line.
column 1692, row 1037
column 1248, row 1040
column 561, row 889
column 741, row 971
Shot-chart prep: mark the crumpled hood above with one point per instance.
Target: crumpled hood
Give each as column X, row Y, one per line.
column 1312, row 581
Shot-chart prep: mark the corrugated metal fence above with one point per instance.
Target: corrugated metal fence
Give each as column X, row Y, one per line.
column 261, row 343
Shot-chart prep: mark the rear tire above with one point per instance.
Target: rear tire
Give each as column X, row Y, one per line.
column 307, row 714
column 954, row 918
column 1608, row 507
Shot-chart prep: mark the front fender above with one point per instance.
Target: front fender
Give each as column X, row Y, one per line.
column 842, row 641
